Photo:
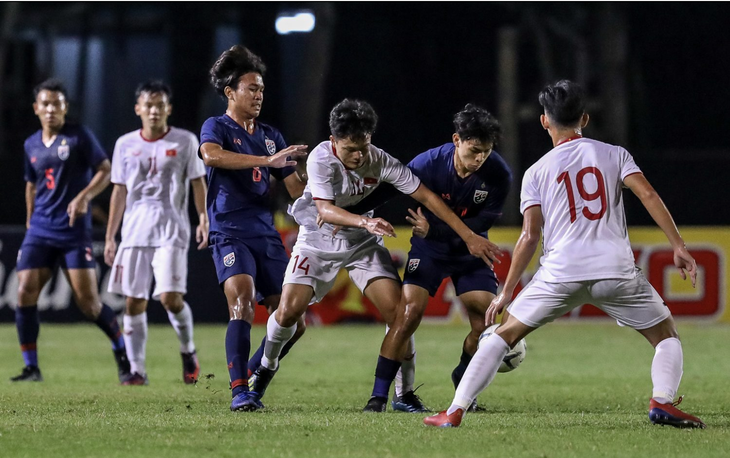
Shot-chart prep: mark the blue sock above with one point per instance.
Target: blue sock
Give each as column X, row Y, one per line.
column 107, row 322
column 28, row 324
column 385, row 372
column 459, row 370
column 238, row 346
column 255, row 361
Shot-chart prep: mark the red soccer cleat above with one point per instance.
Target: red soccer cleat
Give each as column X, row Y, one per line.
column 442, row 420
column 669, row 414
column 191, row 367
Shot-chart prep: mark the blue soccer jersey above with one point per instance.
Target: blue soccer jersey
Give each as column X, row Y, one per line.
column 238, row 200
column 60, row 172
column 476, row 199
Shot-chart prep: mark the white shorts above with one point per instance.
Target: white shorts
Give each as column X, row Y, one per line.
column 317, row 258
column 134, row 268
column 634, row 303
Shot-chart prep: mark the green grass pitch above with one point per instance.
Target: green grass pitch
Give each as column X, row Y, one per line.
column 582, row 391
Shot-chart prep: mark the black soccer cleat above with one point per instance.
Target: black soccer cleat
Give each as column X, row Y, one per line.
column 124, row 370
column 376, row 404
column 409, row 402
column 191, row 368
column 29, row 374
column 259, row 380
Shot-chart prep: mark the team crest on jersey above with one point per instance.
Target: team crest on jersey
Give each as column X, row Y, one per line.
column 229, row 259
column 413, row 264
column 171, row 153
column 270, row 145
column 480, row 196
column 64, row 151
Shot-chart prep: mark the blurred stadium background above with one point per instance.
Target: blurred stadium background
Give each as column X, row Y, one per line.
column 657, row 75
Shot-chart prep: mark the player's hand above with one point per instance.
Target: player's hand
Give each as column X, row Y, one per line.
column 77, row 208
column 483, row 248
column 685, row 262
column 320, row 223
column 288, row 156
column 110, row 251
column 495, row 308
column 419, row 223
column 378, row 226
column 201, row 235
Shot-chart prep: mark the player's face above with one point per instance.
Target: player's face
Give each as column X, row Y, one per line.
column 351, row 152
column 248, row 97
column 51, row 108
column 153, row 108
column 472, row 153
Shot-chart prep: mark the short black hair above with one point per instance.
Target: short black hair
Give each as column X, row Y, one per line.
column 564, row 102
column 153, row 87
column 231, row 65
column 474, row 122
column 51, row 84
column 352, row 119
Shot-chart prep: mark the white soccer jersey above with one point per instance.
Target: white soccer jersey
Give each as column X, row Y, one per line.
column 578, row 186
column 157, row 175
column 328, row 179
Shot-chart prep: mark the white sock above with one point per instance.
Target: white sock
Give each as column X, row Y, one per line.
column 480, row 373
column 135, row 339
column 666, row 370
column 276, row 337
column 183, row 324
column 406, row 376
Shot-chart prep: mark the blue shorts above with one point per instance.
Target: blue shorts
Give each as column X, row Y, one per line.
column 263, row 258
column 468, row 274
column 40, row 252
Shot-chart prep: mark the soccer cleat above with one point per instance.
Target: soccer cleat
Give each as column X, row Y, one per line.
column 260, row 379
column 191, row 367
column 376, row 404
column 136, row 379
column 124, row 370
column 29, row 374
column 409, row 402
column 442, row 420
column 669, row 414
column 474, row 407
column 246, row 401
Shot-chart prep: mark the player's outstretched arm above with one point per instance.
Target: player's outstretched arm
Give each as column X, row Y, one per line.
column 332, row 214
column 684, row 261
column 215, row 156
column 117, row 203
column 79, row 206
column 30, row 191
column 200, row 188
column 524, row 251
column 478, row 246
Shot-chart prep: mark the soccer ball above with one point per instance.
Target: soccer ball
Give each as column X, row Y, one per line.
column 514, row 357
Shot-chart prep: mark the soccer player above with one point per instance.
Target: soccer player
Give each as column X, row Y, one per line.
column 574, row 194
column 152, row 169
column 65, row 168
column 473, row 181
column 341, row 172
column 241, row 155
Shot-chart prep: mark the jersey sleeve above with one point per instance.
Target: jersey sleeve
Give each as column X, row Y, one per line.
column 627, row 164
column 530, row 195
column 118, row 175
column 196, row 167
column 419, row 165
column 283, row 172
column 211, row 132
column 397, row 174
column 92, row 148
column 320, row 179
column 29, row 175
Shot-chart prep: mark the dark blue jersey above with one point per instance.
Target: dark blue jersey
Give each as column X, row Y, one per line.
column 476, row 199
column 60, row 172
column 238, row 200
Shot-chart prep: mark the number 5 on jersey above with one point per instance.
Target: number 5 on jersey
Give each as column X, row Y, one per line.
column 599, row 193
column 303, row 265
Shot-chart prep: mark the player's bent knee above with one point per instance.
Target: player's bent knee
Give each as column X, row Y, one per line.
column 173, row 302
